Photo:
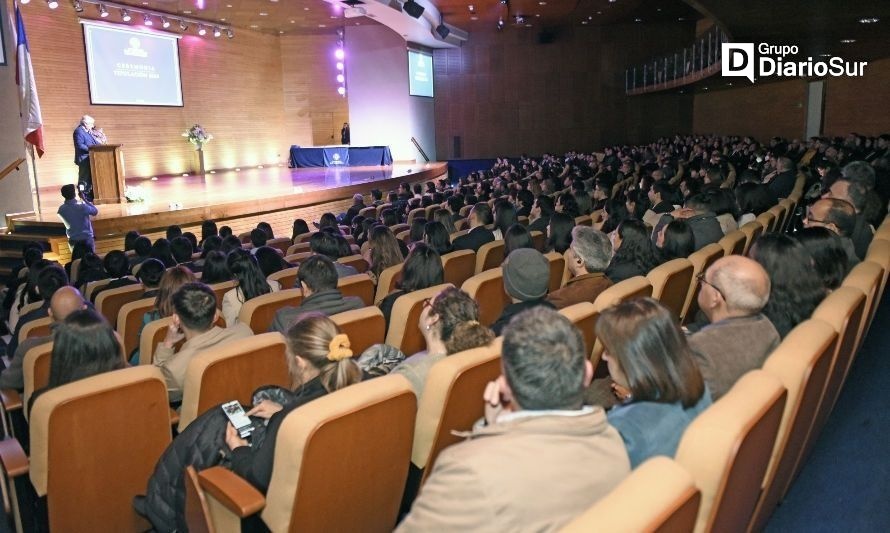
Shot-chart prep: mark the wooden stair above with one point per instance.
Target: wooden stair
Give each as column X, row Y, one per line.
column 20, row 231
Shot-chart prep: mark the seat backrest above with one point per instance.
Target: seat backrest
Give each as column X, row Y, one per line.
column 801, row 363
column 35, row 370
column 752, row 231
column 670, row 284
column 843, row 309
column 778, row 213
column 733, row 243
column 701, row 260
column 583, row 220
column 539, row 240
column 220, row 290
column 557, row 270
column 365, row 327
column 490, row 255
column 635, row 287
column 356, row 261
column 487, row 288
column 867, row 277
column 584, row 316
column 197, row 511
column 297, row 248
column 109, row 302
column 281, row 244
column 259, row 313
column 879, row 252
column 414, row 213
column 381, row 207
column 232, row 371
column 727, row 449
column 299, row 257
column 315, row 486
column 93, row 285
column 465, row 210
column 369, row 212
column 129, row 322
column 358, row 285
column 404, row 236
column 75, row 269
column 386, row 282
column 244, row 237
column 459, row 266
column 304, row 237
column 658, row 496
column 403, row 332
column 788, row 205
column 35, row 328
column 767, row 220
column 287, row 277
column 27, row 308
column 458, row 233
column 90, row 466
column 452, row 400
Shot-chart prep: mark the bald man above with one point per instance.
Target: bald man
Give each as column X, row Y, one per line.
column 65, row 301
column 739, row 338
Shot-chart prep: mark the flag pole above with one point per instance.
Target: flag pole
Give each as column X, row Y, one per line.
column 34, row 172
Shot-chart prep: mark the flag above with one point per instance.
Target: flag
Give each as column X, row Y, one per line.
column 32, row 122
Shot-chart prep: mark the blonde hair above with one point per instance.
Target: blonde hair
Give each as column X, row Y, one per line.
column 316, row 339
column 172, row 280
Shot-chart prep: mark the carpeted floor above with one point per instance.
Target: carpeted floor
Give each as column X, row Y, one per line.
column 845, row 483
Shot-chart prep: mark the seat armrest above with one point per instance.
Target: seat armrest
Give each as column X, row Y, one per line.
column 236, row 494
column 11, row 399
column 13, row 457
column 174, row 417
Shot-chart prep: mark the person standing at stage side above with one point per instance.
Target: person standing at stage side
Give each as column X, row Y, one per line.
column 344, row 133
column 84, row 137
column 76, row 216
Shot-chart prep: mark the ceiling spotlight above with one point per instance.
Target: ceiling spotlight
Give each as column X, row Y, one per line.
column 339, row 65
column 442, row 30
column 146, row 19
column 413, row 8
column 500, row 24
column 202, row 30
column 341, row 90
column 472, row 8
column 183, row 25
column 338, row 53
column 340, row 78
column 848, row 41
column 52, row 4
column 520, row 19
column 77, row 6
column 216, row 32
column 230, row 33
column 23, row 2
column 103, row 11
column 868, row 20
column 125, row 15
column 504, row 2
column 165, row 22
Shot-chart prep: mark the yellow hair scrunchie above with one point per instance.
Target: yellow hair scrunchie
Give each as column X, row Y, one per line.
column 339, row 348
column 472, row 322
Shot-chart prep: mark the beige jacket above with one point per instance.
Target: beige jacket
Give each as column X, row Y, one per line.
column 174, row 364
column 532, row 472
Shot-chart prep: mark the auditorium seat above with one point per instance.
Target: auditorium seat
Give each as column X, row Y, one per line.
column 259, row 313
column 93, row 285
column 465, row 211
column 584, row 316
column 27, row 308
column 381, row 207
column 398, row 228
column 801, row 363
column 459, row 266
column 788, row 206
column 778, row 213
column 670, row 284
column 297, row 248
column 451, row 401
column 297, row 258
column 368, row 212
column 458, row 233
column 35, row 371
column 752, row 231
column 487, row 288
column 303, row 237
column 701, row 260
column 490, row 255
column 244, row 238
column 365, row 327
column 358, row 285
column 404, row 236
column 879, row 252
column 75, row 269
column 356, row 261
column 658, row 496
column 430, row 211
column 539, row 240
column 109, row 302
column 281, row 244
column 129, row 322
column 767, row 220
column 558, row 270
column 866, row 276
column 317, row 485
column 286, row 277
column 94, row 444
column 403, row 332
column 583, row 220
column 386, row 281
column 727, row 448
column 733, row 243
column 233, row 371
column 414, row 213
column 461, row 224
column 220, row 289
column 34, row 328
column 635, row 287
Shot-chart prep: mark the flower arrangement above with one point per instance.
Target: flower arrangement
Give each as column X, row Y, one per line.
column 197, row 136
column 135, row 193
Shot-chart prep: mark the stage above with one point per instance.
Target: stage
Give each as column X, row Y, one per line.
column 234, row 197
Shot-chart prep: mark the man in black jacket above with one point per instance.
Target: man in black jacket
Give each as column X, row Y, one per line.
column 539, row 217
column 318, row 279
column 782, row 183
column 478, row 235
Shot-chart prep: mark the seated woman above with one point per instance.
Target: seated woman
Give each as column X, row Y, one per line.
column 559, row 232
column 320, row 362
column 249, row 283
column 383, row 251
column 436, row 236
column 654, row 375
column 517, row 236
column 447, row 220
column 829, row 256
column 415, row 234
column 162, row 250
column 634, row 254
column 675, row 240
column 269, row 260
column 83, row 345
column 450, row 324
column 300, row 227
column 216, row 268
column 504, row 217
column 171, row 281
column 91, row 269
column 422, row 269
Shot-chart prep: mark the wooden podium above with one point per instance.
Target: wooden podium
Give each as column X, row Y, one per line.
column 107, row 167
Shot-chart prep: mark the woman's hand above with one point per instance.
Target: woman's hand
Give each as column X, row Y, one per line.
column 497, row 399
column 233, row 439
column 620, row 392
column 265, row 409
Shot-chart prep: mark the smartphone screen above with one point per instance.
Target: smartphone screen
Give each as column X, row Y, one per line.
column 238, row 418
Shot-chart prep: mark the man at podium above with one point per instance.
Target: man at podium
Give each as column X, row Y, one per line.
column 85, row 135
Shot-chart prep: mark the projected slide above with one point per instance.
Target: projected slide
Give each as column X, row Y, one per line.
column 420, row 73
column 128, row 67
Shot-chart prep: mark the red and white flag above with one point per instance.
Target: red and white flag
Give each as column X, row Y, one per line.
column 32, row 122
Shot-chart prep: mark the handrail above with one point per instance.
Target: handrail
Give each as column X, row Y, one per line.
column 419, row 149
column 12, row 166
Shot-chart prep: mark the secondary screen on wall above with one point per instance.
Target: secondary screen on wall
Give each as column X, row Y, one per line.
column 127, row 67
column 420, row 73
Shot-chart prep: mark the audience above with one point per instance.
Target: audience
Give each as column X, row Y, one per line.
column 480, row 216
column 539, row 217
column 163, row 252
column 837, row 216
column 526, row 279
column 323, row 243
column 675, row 241
column 443, row 216
column 855, row 194
column 49, row 279
column 150, row 273
column 436, row 236
column 516, row 237
column 536, row 430
column 504, row 217
column 383, row 252
column 634, row 254
column 559, row 233
column 269, row 260
column 421, row 270
column 829, row 255
column 182, row 250
column 216, row 268
column 118, row 269
column 300, row 228
column 249, row 283
column 586, row 261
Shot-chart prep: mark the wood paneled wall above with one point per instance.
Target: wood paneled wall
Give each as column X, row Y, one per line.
column 762, row 111
column 505, row 93
column 859, row 104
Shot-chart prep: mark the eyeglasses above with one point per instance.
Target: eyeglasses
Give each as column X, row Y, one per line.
column 701, row 279
column 427, row 302
column 809, row 218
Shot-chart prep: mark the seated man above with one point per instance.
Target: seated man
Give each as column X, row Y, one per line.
column 838, row 216
column 526, row 279
column 117, row 266
column 587, row 259
column 65, row 301
column 856, row 195
column 258, row 239
column 326, row 244
column 703, row 222
column 182, row 250
column 539, row 215
column 733, row 292
column 540, row 457
column 318, row 279
column 50, row 279
column 478, row 235
column 194, row 314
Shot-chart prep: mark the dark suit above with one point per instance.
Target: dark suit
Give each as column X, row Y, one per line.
column 82, row 142
column 783, row 184
column 474, row 239
column 540, row 225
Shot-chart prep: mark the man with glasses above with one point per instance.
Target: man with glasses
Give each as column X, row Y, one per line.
column 839, row 216
column 732, row 292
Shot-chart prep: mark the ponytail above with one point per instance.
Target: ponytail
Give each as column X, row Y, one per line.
column 468, row 335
